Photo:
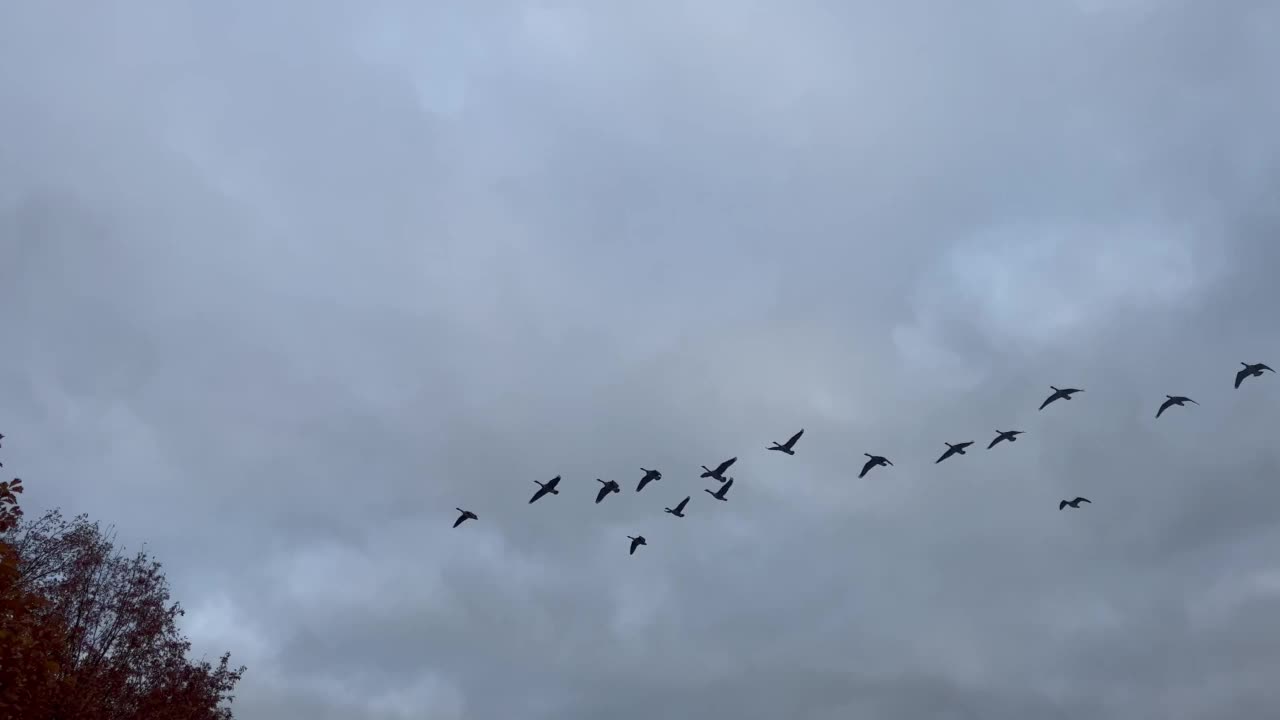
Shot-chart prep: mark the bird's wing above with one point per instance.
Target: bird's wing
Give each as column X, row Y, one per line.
column 541, row 491
column 993, row 442
column 944, row 456
column 964, row 444
column 794, row 438
column 1080, row 499
column 1261, row 366
column 1048, row 400
column 458, row 522
column 725, row 465
column 680, row 507
column 1240, row 376
column 1062, row 504
column 1193, row 402
column 554, row 482
column 725, row 488
column 603, row 491
column 1164, row 406
column 866, row 468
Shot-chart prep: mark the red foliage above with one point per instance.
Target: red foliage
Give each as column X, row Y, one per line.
column 87, row 633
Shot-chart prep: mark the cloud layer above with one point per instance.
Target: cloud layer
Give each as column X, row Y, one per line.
column 284, row 284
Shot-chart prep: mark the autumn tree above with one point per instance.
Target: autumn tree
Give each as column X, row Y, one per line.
column 89, row 633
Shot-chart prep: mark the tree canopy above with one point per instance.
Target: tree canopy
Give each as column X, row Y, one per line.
column 88, row 632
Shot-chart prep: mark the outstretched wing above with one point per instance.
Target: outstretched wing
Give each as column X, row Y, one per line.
column 867, row 467
column 553, row 482
column 1062, row 504
column 725, row 465
column 604, row 490
column 680, row 507
column 1080, row 499
column 1240, row 376
column 998, row 439
column 1262, row 366
column 794, row 438
column 1048, row 400
column 724, row 489
column 1164, row 406
column 944, row 456
column 458, row 522
column 541, row 491
column 964, row 444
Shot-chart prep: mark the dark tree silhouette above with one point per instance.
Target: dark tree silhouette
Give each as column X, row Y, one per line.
column 95, row 635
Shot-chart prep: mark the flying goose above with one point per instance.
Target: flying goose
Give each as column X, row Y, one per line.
column 874, row 461
column 1010, row 435
column 465, row 516
column 649, row 476
column 788, row 446
column 1178, row 400
column 724, row 490
column 606, row 488
column 1059, row 394
column 718, row 473
column 957, row 449
column 679, row 509
column 636, row 542
column 1073, row 503
column 544, row 488
column 1254, row 370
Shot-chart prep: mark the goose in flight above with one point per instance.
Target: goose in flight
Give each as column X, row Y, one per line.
column 1059, row 394
column 1178, row 400
column 545, row 488
column 679, row 509
column 788, row 447
column 465, row 516
column 649, row 476
column 874, row 461
column 606, row 488
column 636, row 542
column 1073, row 503
column 718, row 473
column 1254, row 370
column 1010, row 435
column 724, row 490
column 957, row 449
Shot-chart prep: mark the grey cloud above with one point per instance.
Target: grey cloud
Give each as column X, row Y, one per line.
column 284, row 286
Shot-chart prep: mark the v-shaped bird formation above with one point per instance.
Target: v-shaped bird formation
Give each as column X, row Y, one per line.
column 721, row 493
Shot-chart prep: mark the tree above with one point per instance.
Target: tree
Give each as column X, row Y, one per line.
column 98, row 633
column 28, row 640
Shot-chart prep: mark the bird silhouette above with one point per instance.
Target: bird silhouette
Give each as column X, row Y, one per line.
column 718, row 473
column 874, row 461
column 788, row 446
column 465, row 516
column 636, row 542
column 1073, row 503
column 549, row 487
column 606, row 488
column 724, row 490
column 957, row 449
column 1254, row 370
column 649, row 476
column 679, row 509
column 1178, row 400
column 1010, row 435
column 1059, row 394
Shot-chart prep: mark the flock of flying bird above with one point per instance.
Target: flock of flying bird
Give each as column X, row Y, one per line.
column 552, row 486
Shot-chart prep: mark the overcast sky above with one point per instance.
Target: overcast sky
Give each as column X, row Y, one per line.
column 283, row 284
